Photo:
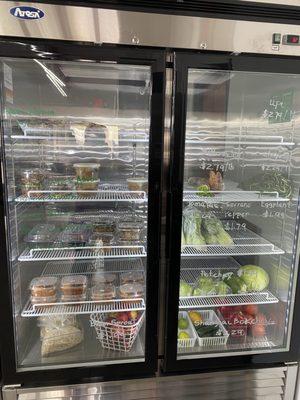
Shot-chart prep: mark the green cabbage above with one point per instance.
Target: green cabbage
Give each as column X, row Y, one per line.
column 185, row 290
column 255, row 278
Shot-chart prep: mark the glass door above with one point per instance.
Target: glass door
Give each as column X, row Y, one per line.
column 239, row 198
column 80, row 179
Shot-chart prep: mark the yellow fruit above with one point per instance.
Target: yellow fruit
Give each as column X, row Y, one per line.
column 183, row 335
column 195, row 317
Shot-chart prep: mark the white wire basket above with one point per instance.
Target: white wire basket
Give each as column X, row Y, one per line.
column 113, row 336
column 210, row 317
column 185, row 343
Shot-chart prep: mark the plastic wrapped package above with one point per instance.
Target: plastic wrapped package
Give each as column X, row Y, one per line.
column 103, row 292
column 31, row 179
column 59, row 182
column 130, row 231
column 43, row 290
column 131, row 291
column 59, row 333
column 137, row 184
column 74, row 234
column 132, row 277
column 73, row 288
column 86, row 171
column 104, row 278
column 41, row 235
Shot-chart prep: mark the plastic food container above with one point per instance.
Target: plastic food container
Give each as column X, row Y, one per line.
column 130, row 231
column 71, row 298
column 103, row 292
column 41, row 233
column 104, row 278
column 75, row 234
column 73, row 285
column 43, row 289
column 86, row 171
column 31, row 179
column 137, row 184
column 101, row 239
column 87, row 185
column 132, row 277
column 131, row 291
column 190, row 330
column 104, row 226
column 59, row 182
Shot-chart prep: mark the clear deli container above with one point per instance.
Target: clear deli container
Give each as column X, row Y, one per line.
column 137, row 184
column 101, row 239
column 65, row 298
column 59, row 182
column 129, row 231
column 104, row 226
column 77, row 234
column 132, row 277
column 131, row 291
column 31, row 179
column 87, row 171
column 73, row 285
column 87, row 185
column 103, row 292
column 104, row 278
column 43, row 289
column 41, row 234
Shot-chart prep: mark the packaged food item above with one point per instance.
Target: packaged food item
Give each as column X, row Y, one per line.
column 87, row 185
column 65, row 298
column 43, row 290
column 104, row 226
column 77, row 234
column 132, row 277
column 41, row 234
column 101, row 239
column 130, row 231
column 86, row 171
column 73, row 285
column 103, row 291
column 59, row 182
column 31, row 179
column 59, row 333
column 137, row 184
column 104, row 278
column 131, row 291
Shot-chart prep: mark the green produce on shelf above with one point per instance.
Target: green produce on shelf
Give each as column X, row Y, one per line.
column 191, row 227
column 255, row 278
column 205, row 286
column 269, row 181
column 185, row 290
column 209, row 330
column 214, row 232
column 204, row 191
column 236, row 284
column 183, row 323
column 222, row 288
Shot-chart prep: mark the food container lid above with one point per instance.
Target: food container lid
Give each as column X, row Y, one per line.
column 138, row 180
column 104, row 277
column 132, row 276
column 86, row 165
column 132, row 290
column 41, row 233
column 130, row 225
column 44, row 282
column 73, row 281
column 103, row 289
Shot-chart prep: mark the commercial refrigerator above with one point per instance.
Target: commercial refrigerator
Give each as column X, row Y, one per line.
column 150, row 189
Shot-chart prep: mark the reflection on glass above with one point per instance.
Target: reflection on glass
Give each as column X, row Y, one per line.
column 76, row 163
column 240, row 207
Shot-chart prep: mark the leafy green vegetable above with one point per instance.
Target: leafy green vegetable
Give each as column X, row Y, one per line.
column 222, row 288
column 214, row 232
column 236, row 284
column 269, row 181
column 185, row 290
column 204, row 191
column 191, row 227
column 255, row 277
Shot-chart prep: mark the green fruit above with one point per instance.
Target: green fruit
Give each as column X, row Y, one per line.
column 183, row 335
column 183, row 323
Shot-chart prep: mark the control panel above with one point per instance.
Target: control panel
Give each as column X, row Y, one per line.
column 288, row 39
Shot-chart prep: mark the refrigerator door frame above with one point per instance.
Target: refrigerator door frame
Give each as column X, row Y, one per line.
column 230, row 62
column 71, row 51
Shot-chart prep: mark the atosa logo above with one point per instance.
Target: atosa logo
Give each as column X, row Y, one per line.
column 26, row 12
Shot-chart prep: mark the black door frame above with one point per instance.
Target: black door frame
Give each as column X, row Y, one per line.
column 73, row 51
column 185, row 60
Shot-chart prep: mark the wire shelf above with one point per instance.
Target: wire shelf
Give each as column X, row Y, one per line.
column 81, row 253
column 265, row 297
column 108, row 193
column 246, row 243
column 90, row 267
column 84, row 307
column 232, row 196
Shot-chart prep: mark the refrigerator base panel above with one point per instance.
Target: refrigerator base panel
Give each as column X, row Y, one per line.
column 89, row 352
